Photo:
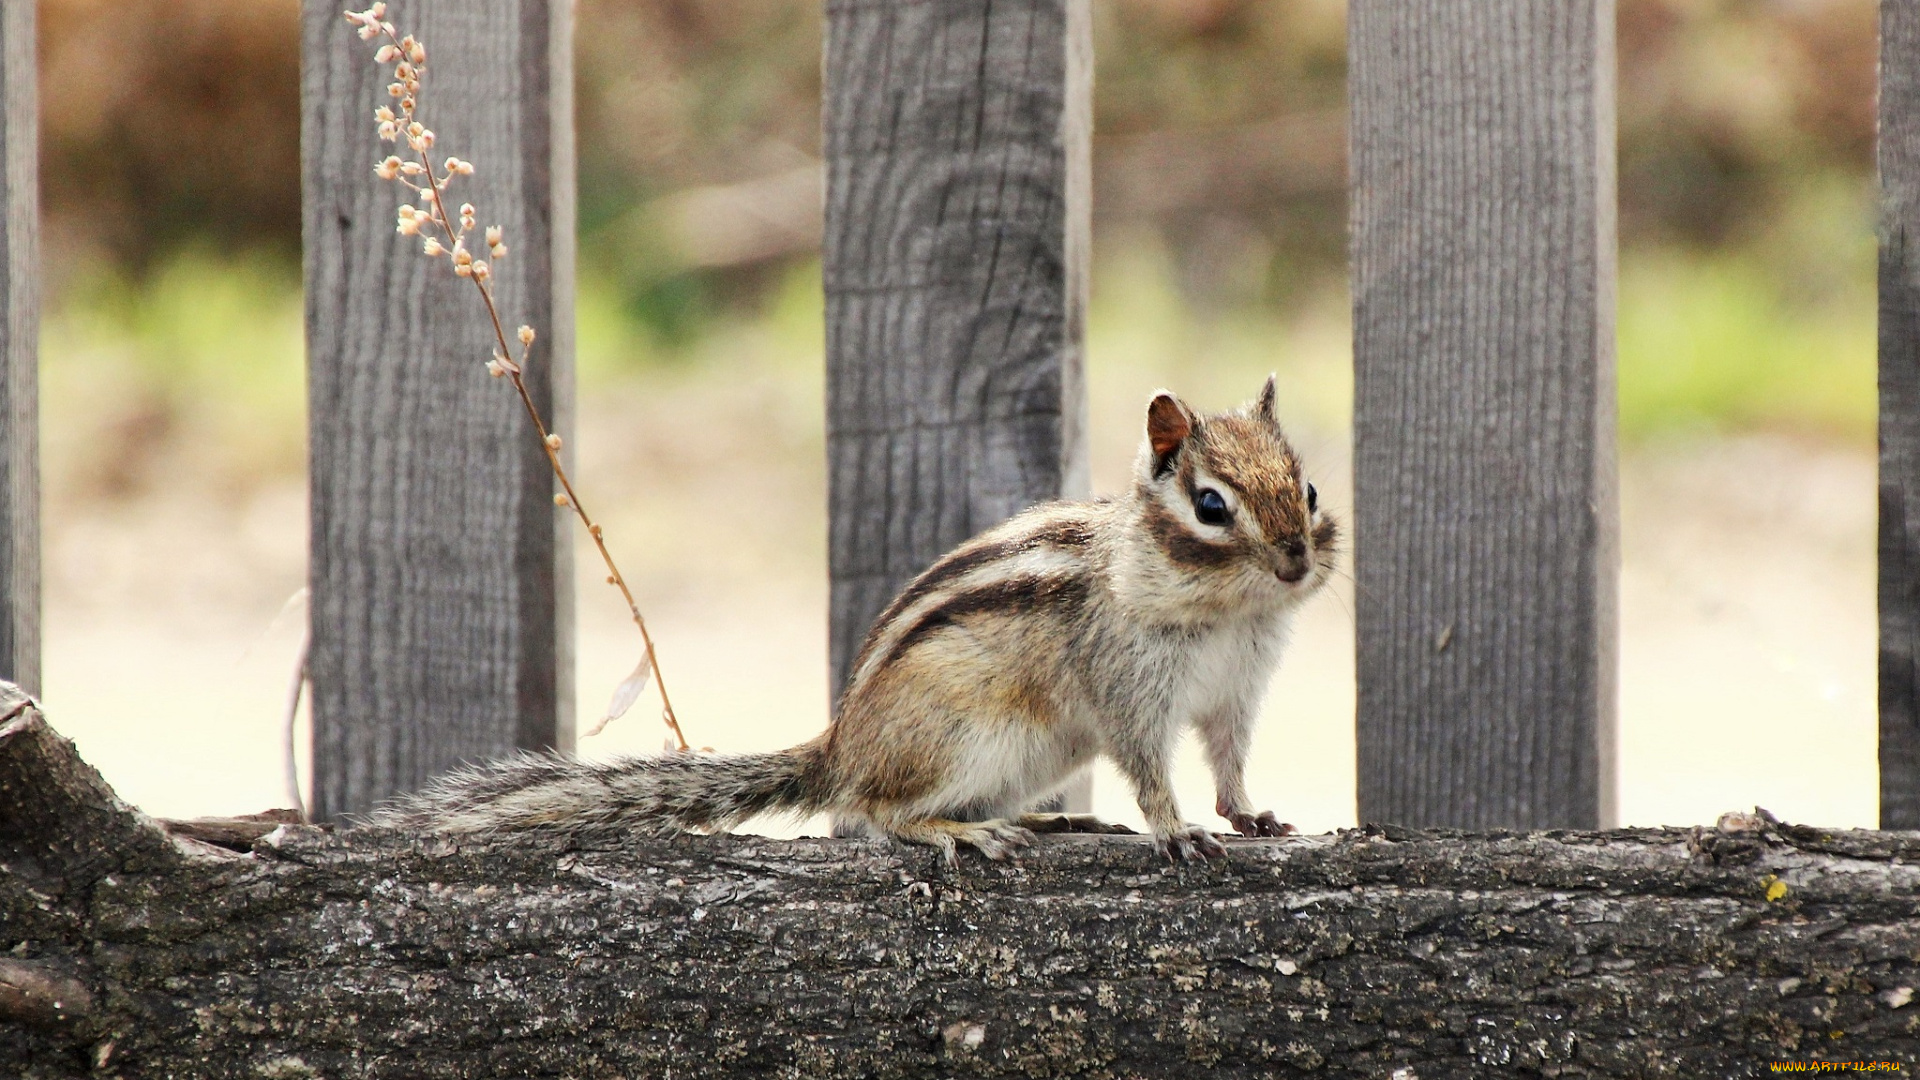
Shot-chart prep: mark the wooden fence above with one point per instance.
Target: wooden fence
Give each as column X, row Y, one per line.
column 956, row 145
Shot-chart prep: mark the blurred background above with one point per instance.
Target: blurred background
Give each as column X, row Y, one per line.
column 173, row 386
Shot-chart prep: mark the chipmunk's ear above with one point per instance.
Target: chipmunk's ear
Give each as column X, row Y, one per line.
column 1169, row 423
column 1263, row 408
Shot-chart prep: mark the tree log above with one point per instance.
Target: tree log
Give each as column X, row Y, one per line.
column 1373, row 952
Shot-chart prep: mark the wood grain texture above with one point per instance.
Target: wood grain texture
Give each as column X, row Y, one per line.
column 1899, row 152
column 1482, row 180
column 19, row 349
column 1644, row 953
column 957, row 140
column 442, row 625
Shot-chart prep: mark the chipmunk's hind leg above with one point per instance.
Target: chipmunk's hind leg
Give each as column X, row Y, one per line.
column 997, row 838
column 1072, row 823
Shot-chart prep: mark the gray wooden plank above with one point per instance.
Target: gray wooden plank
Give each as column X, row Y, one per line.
column 955, row 268
column 1899, row 154
column 19, row 350
column 440, row 568
column 958, row 216
column 1482, row 142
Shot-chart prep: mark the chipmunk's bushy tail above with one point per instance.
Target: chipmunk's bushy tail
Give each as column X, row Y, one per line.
column 627, row 795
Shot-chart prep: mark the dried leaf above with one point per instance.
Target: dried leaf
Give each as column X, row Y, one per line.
column 625, row 695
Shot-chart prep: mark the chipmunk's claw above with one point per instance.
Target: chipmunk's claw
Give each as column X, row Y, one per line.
column 1190, row 844
column 1261, row 824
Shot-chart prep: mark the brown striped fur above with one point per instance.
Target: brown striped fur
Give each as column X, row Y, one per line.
column 1070, row 631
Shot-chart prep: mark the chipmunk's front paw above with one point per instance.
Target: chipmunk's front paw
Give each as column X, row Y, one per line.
column 997, row 839
column 1261, row 824
column 1190, row 844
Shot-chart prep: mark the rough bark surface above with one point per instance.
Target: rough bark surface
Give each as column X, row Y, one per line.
column 1485, row 515
column 1632, row 953
column 442, row 627
column 1899, row 151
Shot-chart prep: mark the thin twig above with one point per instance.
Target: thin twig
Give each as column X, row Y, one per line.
column 411, row 56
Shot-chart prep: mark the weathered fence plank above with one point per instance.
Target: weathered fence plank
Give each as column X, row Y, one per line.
column 1372, row 953
column 1483, row 263
column 956, row 272
column 441, row 576
column 1899, row 153
column 19, row 349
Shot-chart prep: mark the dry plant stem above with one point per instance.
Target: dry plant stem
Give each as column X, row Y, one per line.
column 440, row 217
column 593, row 530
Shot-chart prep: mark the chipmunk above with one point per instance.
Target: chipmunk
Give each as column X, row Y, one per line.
column 1071, row 630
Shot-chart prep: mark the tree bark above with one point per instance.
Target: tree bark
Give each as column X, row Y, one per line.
column 1373, row 952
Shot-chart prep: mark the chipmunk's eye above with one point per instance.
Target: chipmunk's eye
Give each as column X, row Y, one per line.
column 1313, row 498
column 1210, row 508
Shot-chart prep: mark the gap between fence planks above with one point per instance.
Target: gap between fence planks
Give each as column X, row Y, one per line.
column 1482, row 185
column 441, row 570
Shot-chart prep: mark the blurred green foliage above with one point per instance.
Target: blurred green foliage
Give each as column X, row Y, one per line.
column 171, row 190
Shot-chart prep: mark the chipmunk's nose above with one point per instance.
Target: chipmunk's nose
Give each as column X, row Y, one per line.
column 1295, row 565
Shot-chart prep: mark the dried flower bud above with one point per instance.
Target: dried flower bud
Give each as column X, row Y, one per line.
column 407, row 104
column 498, row 251
column 408, row 227
column 387, row 169
column 481, row 271
column 407, row 42
column 404, row 72
column 595, row 530
column 494, row 369
column 378, row 10
column 383, row 114
column 560, row 499
column 416, row 129
column 553, row 441
column 388, row 27
column 432, row 247
column 417, row 54
column 412, row 168
column 466, row 168
column 493, row 235
column 526, row 335
column 386, row 54
column 463, row 270
column 452, row 165
column 466, row 209
column 425, row 142
column 611, row 580
column 389, row 130
column 461, row 256
column 369, row 32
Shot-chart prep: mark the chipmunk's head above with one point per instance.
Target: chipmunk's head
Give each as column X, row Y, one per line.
column 1226, row 502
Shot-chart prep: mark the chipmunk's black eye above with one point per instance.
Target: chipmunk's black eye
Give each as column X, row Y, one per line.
column 1313, row 498
column 1210, row 508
